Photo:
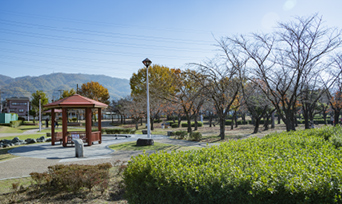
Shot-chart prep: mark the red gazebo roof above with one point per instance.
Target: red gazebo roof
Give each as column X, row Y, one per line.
column 76, row 101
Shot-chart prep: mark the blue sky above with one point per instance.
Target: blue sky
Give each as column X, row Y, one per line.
column 112, row 37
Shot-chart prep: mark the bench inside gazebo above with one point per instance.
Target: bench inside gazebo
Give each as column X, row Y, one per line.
column 76, row 102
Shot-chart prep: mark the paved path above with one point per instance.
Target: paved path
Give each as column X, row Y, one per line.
column 37, row 157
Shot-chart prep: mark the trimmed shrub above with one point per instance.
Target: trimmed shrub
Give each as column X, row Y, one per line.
column 288, row 167
column 240, row 122
column 180, row 134
column 196, row 136
column 174, row 125
column 157, row 121
column 15, row 123
column 200, row 124
column 21, row 118
column 119, row 131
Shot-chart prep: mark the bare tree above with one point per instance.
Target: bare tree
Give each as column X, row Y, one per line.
column 220, row 80
column 288, row 59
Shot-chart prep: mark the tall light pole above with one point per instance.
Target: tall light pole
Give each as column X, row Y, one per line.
column 40, row 114
column 147, row 63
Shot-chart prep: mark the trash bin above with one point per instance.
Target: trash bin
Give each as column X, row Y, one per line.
column 79, row 145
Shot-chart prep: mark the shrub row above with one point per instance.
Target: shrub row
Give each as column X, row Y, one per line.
column 295, row 167
column 200, row 124
column 157, row 121
column 119, row 131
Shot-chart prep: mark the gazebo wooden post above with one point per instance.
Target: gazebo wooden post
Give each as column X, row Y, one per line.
column 64, row 126
column 88, row 126
column 99, row 124
column 53, row 137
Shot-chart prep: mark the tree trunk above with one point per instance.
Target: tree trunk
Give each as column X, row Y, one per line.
column 222, row 121
column 196, row 123
column 137, row 124
column 189, row 123
column 306, row 118
column 151, row 123
column 278, row 119
column 272, row 120
column 266, row 122
column 336, row 116
column 232, row 124
column 256, row 125
column 243, row 116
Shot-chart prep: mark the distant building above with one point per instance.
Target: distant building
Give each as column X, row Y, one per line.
column 17, row 105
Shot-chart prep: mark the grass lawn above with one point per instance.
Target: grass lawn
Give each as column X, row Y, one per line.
column 6, row 185
column 7, row 129
column 4, row 155
column 131, row 146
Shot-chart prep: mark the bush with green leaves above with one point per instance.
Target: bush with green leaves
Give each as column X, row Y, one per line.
column 174, row 125
column 157, row 121
column 119, row 131
column 15, row 123
column 288, row 167
column 197, row 136
column 180, row 134
column 200, row 124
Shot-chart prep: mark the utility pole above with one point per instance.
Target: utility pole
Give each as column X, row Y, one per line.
column 40, row 114
column 1, row 101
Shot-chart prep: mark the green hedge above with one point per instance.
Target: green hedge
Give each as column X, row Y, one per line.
column 240, row 122
column 196, row 136
column 119, row 131
column 200, row 124
column 295, row 167
column 15, row 123
column 180, row 134
column 157, row 121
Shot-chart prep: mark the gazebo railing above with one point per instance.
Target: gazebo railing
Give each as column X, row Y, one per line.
column 93, row 137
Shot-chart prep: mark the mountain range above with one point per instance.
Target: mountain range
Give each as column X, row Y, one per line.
column 54, row 84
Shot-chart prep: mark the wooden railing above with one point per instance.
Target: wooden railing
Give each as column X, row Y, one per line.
column 94, row 137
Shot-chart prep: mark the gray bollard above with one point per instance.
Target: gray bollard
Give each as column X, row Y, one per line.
column 79, row 145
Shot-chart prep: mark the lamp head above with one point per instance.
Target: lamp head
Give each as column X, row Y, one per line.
column 147, row 62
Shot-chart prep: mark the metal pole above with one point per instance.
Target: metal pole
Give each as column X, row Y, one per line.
column 28, row 110
column 148, row 106
column 40, row 115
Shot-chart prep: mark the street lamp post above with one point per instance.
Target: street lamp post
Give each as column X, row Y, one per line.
column 147, row 63
column 40, row 114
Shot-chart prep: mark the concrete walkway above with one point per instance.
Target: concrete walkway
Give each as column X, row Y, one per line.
column 37, row 157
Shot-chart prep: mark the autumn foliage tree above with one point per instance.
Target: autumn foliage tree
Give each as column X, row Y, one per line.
column 95, row 91
column 67, row 93
column 160, row 83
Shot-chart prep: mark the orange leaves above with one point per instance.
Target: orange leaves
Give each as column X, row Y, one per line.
column 95, row 91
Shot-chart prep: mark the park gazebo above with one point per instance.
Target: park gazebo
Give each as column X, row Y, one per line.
column 76, row 102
